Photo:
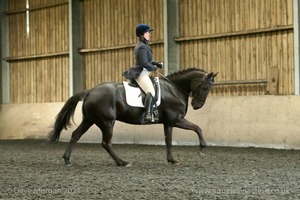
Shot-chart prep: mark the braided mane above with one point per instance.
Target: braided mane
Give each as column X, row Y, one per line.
column 183, row 72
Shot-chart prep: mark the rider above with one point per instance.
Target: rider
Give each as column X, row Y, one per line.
column 142, row 67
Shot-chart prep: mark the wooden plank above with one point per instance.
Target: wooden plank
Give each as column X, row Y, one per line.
column 237, row 64
column 290, row 12
column 291, row 65
column 185, row 19
column 193, row 8
column 253, row 18
column 284, row 60
column 279, row 12
column 268, row 12
column 221, row 17
column 272, row 81
column 231, row 16
column 204, row 18
column 284, row 16
column 261, row 7
column 239, row 14
column 109, row 48
column 284, row 69
column 273, row 12
column 243, row 59
column 30, row 57
column 240, row 33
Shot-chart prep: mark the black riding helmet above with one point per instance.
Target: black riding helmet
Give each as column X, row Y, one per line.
column 141, row 29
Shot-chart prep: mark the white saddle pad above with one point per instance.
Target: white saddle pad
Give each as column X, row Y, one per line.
column 134, row 95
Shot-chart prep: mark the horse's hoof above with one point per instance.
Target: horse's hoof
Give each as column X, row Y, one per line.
column 67, row 162
column 173, row 162
column 124, row 164
column 128, row 165
column 201, row 154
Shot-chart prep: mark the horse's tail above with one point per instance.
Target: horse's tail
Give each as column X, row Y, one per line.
column 63, row 118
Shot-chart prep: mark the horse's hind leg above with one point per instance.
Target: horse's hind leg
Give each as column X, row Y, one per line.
column 107, row 132
column 81, row 129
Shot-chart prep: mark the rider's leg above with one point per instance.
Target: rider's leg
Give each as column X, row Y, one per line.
column 145, row 83
column 148, row 107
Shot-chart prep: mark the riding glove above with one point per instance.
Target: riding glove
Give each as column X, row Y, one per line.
column 158, row 64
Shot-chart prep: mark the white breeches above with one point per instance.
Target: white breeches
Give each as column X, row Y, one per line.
column 145, row 83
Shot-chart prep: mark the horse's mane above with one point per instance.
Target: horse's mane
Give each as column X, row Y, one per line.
column 183, row 72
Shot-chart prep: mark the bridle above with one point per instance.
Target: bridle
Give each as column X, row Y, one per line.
column 197, row 88
column 200, row 100
column 196, row 93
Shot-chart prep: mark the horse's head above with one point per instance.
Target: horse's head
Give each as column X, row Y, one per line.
column 200, row 88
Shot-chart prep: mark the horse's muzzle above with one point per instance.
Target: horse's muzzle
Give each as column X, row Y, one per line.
column 197, row 104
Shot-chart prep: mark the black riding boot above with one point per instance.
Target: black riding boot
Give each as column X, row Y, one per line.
column 148, row 108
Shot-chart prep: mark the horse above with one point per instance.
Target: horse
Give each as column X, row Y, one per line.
column 105, row 104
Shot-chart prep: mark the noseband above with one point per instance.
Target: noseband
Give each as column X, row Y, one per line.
column 196, row 93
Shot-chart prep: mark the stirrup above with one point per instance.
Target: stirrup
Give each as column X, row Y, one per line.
column 148, row 118
column 155, row 116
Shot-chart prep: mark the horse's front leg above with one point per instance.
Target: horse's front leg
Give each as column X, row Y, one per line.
column 168, row 139
column 185, row 124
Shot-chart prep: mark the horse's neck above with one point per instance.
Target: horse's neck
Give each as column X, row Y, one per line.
column 182, row 84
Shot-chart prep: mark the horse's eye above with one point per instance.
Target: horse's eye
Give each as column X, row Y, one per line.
column 205, row 86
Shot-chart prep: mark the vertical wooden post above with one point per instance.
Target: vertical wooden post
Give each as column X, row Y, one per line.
column 171, row 30
column 297, row 45
column 75, row 43
column 4, row 51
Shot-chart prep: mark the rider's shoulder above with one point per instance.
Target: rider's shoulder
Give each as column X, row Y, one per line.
column 140, row 44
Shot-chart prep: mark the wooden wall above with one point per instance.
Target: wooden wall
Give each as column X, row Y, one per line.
column 241, row 39
column 39, row 63
column 109, row 36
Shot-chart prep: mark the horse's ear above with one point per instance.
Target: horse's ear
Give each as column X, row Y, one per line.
column 208, row 76
column 215, row 74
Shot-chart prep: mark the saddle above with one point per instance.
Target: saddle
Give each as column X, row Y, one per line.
column 155, row 83
column 135, row 95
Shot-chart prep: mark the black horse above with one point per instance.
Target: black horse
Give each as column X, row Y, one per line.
column 106, row 103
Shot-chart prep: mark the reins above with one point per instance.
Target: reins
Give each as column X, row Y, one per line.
column 192, row 97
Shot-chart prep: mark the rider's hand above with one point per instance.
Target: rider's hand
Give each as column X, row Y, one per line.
column 160, row 65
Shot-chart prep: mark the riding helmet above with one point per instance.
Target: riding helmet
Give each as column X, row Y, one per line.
column 141, row 29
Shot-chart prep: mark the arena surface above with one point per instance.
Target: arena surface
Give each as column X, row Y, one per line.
column 33, row 169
